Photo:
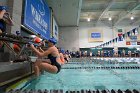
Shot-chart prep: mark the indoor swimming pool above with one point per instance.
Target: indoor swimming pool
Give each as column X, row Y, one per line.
column 87, row 75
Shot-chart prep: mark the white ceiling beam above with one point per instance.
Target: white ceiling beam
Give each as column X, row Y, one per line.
column 126, row 1
column 123, row 15
column 104, row 1
column 111, row 2
column 90, row 10
column 95, row 1
column 79, row 11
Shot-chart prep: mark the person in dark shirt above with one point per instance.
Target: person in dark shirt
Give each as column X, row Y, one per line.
column 4, row 19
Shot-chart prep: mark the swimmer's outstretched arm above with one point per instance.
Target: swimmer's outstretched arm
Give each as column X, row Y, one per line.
column 45, row 53
column 62, row 58
column 40, row 49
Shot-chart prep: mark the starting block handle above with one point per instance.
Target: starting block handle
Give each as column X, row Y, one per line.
column 9, row 47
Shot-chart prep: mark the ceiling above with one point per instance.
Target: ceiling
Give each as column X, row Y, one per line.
column 72, row 12
column 66, row 12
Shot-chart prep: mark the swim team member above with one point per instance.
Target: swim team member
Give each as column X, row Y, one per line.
column 53, row 56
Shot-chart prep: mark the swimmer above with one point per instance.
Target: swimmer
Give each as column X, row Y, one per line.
column 53, row 56
column 61, row 56
column 66, row 57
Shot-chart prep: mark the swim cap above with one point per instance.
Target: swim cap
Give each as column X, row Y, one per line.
column 37, row 40
column 62, row 51
column 3, row 8
column 16, row 47
column 52, row 40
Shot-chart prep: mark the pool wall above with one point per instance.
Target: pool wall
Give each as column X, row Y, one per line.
column 11, row 72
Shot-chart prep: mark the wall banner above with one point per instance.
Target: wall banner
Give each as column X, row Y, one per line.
column 138, row 43
column 127, row 43
column 133, row 43
column 120, row 32
column 55, row 29
column 95, row 35
column 37, row 17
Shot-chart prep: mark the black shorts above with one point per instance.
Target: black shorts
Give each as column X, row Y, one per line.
column 57, row 65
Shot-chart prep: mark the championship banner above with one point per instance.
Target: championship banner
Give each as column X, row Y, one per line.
column 128, row 43
column 37, row 17
column 120, row 32
column 55, row 29
column 138, row 43
column 95, row 35
column 134, row 37
column 133, row 43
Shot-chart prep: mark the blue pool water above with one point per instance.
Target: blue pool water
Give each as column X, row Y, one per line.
column 77, row 79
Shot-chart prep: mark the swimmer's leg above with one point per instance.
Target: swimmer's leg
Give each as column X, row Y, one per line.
column 49, row 68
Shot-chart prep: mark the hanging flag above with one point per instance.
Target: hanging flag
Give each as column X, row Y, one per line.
column 134, row 30
column 128, row 34
column 116, row 39
column 123, row 36
column 108, row 43
column 113, row 40
column 120, row 38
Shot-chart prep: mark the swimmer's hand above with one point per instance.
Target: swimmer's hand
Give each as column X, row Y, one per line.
column 30, row 44
column 8, row 18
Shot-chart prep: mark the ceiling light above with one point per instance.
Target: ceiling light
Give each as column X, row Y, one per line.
column 109, row 18
column 131, row 17
column 88, row 19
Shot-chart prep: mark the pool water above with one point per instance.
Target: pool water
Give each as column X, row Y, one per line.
column 77, row 79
